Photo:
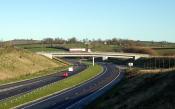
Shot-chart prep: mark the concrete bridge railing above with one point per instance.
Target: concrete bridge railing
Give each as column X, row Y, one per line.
column 104, row 55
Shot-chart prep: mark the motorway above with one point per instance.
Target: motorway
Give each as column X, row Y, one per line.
column 67, row 98
column 15, row 89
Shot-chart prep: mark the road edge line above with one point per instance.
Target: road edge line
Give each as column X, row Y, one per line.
column 59, row 92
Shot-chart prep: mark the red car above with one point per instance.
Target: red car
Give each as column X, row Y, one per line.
column 65, row 74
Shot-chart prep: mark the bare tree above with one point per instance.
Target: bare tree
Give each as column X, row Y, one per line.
column 72, row 40
column 48, row 41
column 59, row 41
column 1, row 43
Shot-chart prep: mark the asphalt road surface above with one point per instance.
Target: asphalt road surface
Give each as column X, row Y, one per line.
column 66, row 98
column 22, row 87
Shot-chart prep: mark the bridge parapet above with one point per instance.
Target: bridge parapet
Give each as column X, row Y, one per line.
column 94, row 54
column 49, row 55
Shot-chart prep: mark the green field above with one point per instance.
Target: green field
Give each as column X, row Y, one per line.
column 98, row 47
column 48, row 48
column 72, row 81
column 106, row 48
column 39, row 48
column 77, row 45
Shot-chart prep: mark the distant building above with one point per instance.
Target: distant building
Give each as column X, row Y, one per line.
column 89, row 50
column 79, row 50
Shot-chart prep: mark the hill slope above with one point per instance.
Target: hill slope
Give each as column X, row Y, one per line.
column 140, row 91
column 17, row 62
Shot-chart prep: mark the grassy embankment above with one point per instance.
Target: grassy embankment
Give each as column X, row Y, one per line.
column 161, row 51
column 140, row 90
column 165, row 51
column 72, row 81
column 18, row 64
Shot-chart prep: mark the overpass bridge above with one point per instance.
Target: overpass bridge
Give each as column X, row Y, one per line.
column 104, row 55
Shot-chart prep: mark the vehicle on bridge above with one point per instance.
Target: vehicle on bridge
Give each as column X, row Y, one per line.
column 70, row 69
column 77, row 50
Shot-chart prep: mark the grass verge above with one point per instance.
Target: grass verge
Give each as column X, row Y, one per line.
column 39, row 93
column 140, row 91
column 39, row 48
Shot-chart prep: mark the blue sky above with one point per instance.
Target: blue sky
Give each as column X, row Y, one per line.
column 128, row 19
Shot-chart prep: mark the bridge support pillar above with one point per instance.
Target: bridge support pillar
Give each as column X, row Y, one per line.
column 93, row 61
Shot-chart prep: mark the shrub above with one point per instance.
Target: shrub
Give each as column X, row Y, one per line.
column 142, row 50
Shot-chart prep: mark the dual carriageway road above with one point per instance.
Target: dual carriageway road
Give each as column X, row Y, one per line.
column 64, row 99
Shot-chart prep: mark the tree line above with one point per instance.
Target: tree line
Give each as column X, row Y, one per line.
column 113, row 41
column 72, row 40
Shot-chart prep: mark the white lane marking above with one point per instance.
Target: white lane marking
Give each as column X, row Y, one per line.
column 93, row 92
column 24, row 92
column 66, row 90
column 7, row 89
column 14, row 87
column 32, row 78
column 19, row 93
